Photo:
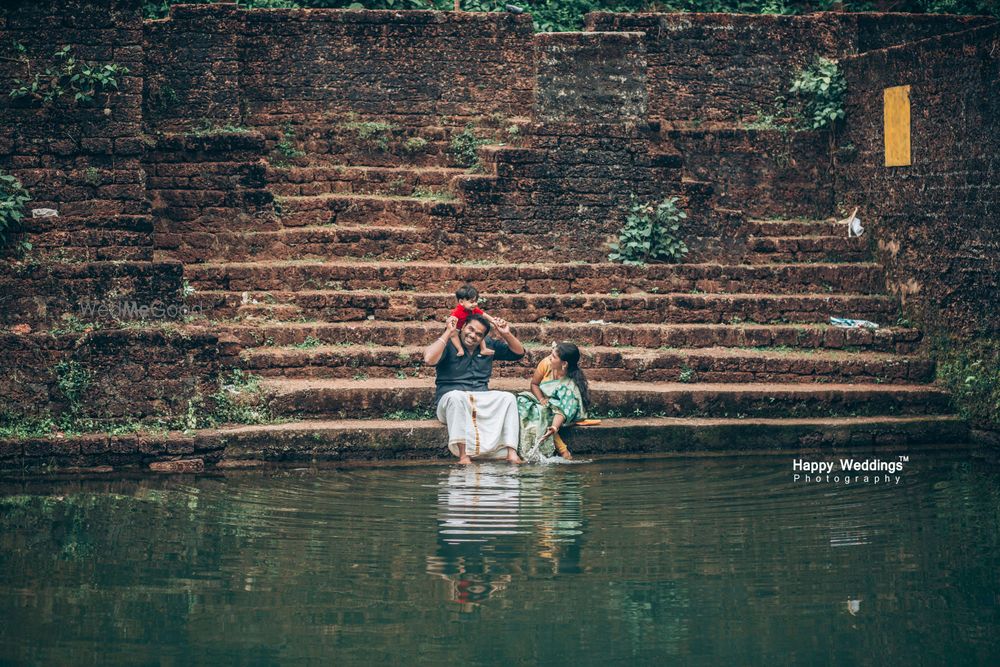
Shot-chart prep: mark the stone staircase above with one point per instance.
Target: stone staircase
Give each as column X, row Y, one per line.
column 335, row 296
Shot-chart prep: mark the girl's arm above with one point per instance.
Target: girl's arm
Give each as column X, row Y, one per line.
column 536, row 389
column 557, row 423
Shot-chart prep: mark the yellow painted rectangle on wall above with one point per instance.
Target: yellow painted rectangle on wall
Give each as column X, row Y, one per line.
column 897, row 126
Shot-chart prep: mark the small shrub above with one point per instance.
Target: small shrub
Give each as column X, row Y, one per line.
column 686, row 375
column 92, row 176
column 431, row 193
column 73, row 381
column 649, row 234
column 821, row 89
column 464, row 147
column 162, row 97
column 309, row 343
column 208, row 128
column 70, row 323
column 13, row 198
column 414, row 145
column 286, row 148
column 373, row 133
column 971, row 372
column 406, row 415
column 239, row 400
column 65, row 76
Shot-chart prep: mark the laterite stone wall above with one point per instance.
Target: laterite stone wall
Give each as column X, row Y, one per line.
column 725, row 67
column 129, row 374
column 937, row 221
column 81, row 159
column 223, row 64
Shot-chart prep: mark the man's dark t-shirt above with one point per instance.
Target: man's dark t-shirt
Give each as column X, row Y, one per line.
column 471, row 372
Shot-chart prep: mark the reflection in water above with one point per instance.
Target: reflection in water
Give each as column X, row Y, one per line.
column 631, row 562
column 478, row 502
column 486, row 511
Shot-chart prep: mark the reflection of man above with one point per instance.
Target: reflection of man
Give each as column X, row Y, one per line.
column 481, row 423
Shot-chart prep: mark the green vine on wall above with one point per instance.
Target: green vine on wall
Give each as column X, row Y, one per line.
column 66, row 76
column 13, row 198
column 821, row 89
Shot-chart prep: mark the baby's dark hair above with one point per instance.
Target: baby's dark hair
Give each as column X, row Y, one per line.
column 467, row 291
column 570, row 353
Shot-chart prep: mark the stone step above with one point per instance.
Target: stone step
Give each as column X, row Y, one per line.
column 307, row 244
column 797, row 227
column 355, row 439
column 383, row 243
column 339, row 306
column 367, row 210
column 797, row 336
column 769, row 249
column 865, row 278
column 321, row 179
column 416, row 439
column 349, row 141
column 375, row 398
column 624, row 364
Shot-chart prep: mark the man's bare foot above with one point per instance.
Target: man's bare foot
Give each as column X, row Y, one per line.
column 459, row 353
column 512, row 457
column 464, row 460
column 566, row 455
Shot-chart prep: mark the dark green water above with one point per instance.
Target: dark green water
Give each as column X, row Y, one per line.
column 701, row 561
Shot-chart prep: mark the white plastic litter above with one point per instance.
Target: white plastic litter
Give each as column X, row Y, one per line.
column 597, row 322
column 44, row 213
column 845, row 323
column 853, row 224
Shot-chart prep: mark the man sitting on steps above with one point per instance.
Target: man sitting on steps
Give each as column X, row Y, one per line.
column 481, row 423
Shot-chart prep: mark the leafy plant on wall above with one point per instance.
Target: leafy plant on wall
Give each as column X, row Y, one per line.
column 65, row 76
column 650, row 234
column 13, row 198
column 821, row 89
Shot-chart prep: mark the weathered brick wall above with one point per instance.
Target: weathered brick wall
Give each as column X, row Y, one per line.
column 724, row 67
column 762, row 172
column 937, row 221
column 589, row 148
column 202, row 185
column 81, row 159
column 270, row 67
column 193, row 62
column 595, row 77
column 569, row 190
column 130, row 374
column 84, row 160
column 39, row 295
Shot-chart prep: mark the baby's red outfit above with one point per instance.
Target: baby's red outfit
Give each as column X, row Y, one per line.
column 462, row 313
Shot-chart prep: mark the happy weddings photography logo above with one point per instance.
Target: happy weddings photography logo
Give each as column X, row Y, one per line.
column 850, row 471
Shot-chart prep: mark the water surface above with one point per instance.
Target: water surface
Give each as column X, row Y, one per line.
column 702, row 561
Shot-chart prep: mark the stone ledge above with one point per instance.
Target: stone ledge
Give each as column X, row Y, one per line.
column 381, row 440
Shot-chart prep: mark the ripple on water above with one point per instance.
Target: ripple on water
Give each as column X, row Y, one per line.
column 611, row 562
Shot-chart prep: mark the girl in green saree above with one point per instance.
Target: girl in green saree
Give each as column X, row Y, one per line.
column 559, row 395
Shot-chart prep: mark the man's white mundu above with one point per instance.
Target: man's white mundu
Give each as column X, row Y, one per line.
column 486, row 421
